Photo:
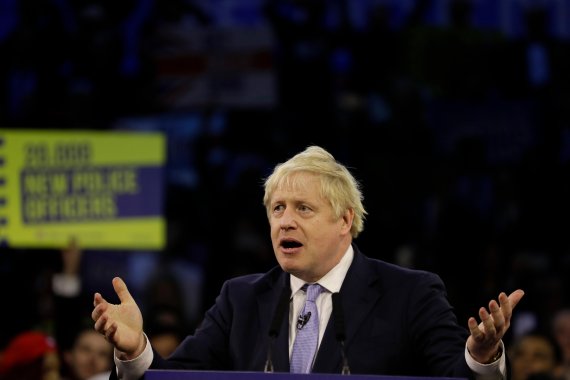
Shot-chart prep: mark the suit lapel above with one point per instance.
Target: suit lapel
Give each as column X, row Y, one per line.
column 359, row 293
column 328, row 358
column 281, row 347
column 266, row 308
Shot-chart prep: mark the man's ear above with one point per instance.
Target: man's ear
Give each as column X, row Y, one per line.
column 347, row 220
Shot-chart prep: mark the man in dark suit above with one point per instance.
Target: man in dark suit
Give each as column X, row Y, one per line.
column 370, row 316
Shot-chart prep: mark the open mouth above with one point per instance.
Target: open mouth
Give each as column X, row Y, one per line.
column 288, row 244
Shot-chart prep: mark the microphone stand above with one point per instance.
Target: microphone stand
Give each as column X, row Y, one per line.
column 339, row 330
column 278, row 315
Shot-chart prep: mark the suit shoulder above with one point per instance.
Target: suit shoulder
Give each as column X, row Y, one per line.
column 390, row 270
column 256, row 280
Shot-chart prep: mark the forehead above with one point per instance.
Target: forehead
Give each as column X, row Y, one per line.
column 562, row 321
column 91, row 338
column 536, row 344
column 299, row 184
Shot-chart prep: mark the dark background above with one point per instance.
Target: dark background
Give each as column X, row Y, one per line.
column 452, row 113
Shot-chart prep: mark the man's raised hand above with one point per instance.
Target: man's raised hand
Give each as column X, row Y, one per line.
column 120, row 324
column 485, row 337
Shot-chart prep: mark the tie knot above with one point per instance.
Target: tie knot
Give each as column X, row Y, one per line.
column 313, row 291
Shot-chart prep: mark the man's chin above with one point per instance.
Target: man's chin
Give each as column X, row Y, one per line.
column 290, row 266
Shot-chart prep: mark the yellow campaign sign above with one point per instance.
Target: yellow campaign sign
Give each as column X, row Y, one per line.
column 103, row 188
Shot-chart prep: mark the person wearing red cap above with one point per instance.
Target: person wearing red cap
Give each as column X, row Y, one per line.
column 30, row 355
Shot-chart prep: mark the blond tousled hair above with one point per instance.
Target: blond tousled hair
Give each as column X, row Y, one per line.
column 337, row 183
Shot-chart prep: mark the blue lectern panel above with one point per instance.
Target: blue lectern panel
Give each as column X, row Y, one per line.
column 234, row 375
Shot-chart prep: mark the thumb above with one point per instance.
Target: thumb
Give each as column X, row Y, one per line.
column 121, row 290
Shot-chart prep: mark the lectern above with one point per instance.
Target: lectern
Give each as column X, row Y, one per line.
column 154, row 374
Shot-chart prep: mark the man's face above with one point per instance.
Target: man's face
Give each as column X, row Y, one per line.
column 308, row 240
column 533, row 355
column 562, row 334
column 90, row 355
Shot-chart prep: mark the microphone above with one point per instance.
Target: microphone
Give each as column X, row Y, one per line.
column 302, row 320
column 339, row 330
column 278, row 315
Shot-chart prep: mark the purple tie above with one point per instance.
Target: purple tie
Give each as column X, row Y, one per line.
column 307, row 339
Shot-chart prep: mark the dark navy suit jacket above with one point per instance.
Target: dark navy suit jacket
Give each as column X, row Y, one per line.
column 398, row 321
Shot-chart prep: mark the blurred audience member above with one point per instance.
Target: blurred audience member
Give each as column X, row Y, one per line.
column 69, row 304
column 91, row 355
column 83, row 352
column 165, row 311
column 166, row 329
column 561, row 333
column 30, row 355
column 533, row 356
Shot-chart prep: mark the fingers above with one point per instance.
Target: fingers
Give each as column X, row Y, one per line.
column 474, row 330
column 103, row 311
column 99, row 306
column 485, row 336
column 99, row 310
column 488, row 321
column 99, row 316
column 100, row 323
column 499, row 313
column 108, row 330
column 515, row 297
column 503, row 314
column 121, row 290
column 103, row 324
column 97, row 299
column 111, row 332
column 496, row 320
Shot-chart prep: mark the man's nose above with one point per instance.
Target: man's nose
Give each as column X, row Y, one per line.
column 287, row 220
